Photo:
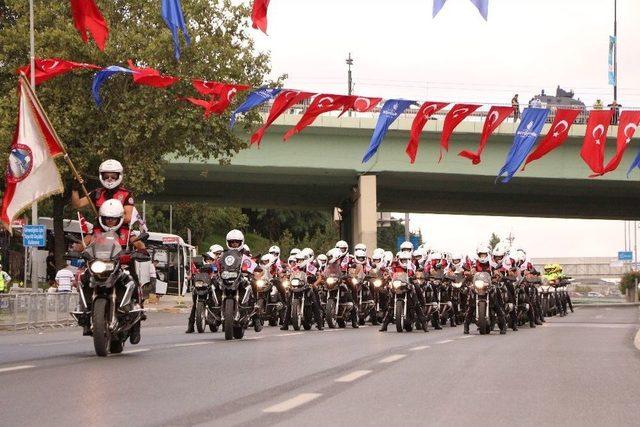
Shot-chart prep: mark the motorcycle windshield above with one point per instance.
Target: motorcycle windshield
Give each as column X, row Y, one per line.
column 332, row 270
column 105, row 247
column 404, row 277
column 230, row 265
column 300, row 275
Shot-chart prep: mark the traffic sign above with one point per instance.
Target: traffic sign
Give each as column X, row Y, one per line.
column 34, row 236
column 625, row 256
column 413, row 239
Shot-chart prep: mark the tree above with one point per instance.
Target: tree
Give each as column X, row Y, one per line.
column 494, row 241
column 387, row 236
column 138, row 125
column 629, row 280
column 271, row 223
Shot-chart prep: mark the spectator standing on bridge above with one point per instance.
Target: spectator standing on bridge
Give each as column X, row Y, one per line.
column 616, row 111
column 516, row 108
column 4, row 281
column 64, row 279
column 598, row 105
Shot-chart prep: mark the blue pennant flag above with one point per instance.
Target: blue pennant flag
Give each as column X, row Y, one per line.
column 174, row 18
column 391, row 109
column 532, row 121
column 612, row 67
column 101, row 76
column 437, row 5
column 481, row 5
column 635, row 164
column 255, row 98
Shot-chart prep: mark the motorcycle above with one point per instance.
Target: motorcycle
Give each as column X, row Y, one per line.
column 458, row 297
column 112, row 315
column 338, row 307
column 525, row 297
column 380, row 296
column 365, row 301
column 431, row 288
column 403, row 313
column 445, row 293
column 505, row 285
column 203, row 292
column 547, row 298
column 483, row 290
column 236, row 308
column 301, row 310
column 270, row 305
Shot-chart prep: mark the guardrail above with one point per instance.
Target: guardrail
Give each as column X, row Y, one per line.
column 36, row 310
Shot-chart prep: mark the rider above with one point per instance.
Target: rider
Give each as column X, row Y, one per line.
column 110, row 173
column 500, row 269
column 313, row 279
column 481, row 265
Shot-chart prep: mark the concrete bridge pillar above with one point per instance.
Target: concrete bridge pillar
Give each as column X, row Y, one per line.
column 364, row 213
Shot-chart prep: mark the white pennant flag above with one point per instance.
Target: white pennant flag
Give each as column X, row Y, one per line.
column 32, row 173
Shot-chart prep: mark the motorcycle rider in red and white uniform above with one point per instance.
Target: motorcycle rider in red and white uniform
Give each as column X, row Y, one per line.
column 304, row 264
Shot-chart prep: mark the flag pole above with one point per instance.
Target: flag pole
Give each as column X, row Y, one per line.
column 34, row 206
column 67, row 159
column 615, row 51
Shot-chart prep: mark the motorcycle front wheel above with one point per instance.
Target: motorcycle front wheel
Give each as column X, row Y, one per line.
column 228, row 319
column 329, row 313
column 399, row 312
column 101, row 333
column 295, row 314
column 483, row 324
column 200, row 315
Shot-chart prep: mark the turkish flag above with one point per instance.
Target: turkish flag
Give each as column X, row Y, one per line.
column 426, row 110
column 259, row 15
column 495, row 117
column 320, row 104
column 627, row 124
column 360, row 104
column 47, row 69
column 221, row 93
column 87, row 17
column 207, row 105
column 455, row 116
column 592, row 151
column 285, row 100
column 150, row 77
column 557, row 134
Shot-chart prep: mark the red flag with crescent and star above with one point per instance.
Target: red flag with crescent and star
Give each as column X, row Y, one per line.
column 259, row 15
column 360, row 104
column 426, row 110
column 321, row 104
column 87, row 18
column 495, row 117
column 595, row 138
column 49, row 68
column 285, row 100
column 557, row 134
column 222, row 94
column 150, row 77
column 627, row 125
column 454, row 117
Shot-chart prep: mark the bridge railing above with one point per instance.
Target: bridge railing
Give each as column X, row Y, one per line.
column 36, row 310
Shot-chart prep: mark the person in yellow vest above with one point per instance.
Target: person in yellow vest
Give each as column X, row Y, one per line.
column 4, row 281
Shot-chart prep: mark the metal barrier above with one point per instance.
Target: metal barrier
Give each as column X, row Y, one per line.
column 37, row 310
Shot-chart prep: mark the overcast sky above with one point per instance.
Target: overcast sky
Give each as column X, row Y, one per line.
column 526, row 46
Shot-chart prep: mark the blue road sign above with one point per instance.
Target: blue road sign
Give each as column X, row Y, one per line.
column 625, row 256
column 34, row 236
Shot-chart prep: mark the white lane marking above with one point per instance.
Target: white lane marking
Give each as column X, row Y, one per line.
column 254, row 338
column 636, row 340
column 393, row 358
column 352, row 376
column 289, row 334
column 465, row 336
column 54, row 343
column 599, row 316
column 444, row 341
column 420, row 347
column 17, row 368
column 137, row 350
column 189, row 344
column 294, row 402
column 334, row 330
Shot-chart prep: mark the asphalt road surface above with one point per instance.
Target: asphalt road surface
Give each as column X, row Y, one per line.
column 582, row 370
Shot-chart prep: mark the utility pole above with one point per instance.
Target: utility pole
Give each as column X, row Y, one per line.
column 407, row 232
column 510, row 239
column 349, row 78
column 170, row 219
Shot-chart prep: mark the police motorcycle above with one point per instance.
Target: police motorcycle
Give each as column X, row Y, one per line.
column 271, row 308
column 547, row 298
column 380, row 295
column 204, row 297
column 404, row 306
column 112, row 315
column 338, row 305
column 565, row 299
column 301, row 310
column 525, row 300
column 366, row 303
column 504, row 282
column 236, row 307
column 458, row 297
column 483, row 292
column 431, row 288
column 445, row 292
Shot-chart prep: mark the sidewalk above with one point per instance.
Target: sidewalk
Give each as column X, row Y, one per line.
column 169, row 304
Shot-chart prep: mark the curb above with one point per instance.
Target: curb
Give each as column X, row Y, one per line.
column 621, row 304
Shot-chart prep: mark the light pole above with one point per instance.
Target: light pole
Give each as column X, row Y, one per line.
column 615, row 50
column 349, row 62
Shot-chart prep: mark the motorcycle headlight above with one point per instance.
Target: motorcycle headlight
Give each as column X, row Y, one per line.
column 260, row 283
column 331, row 281
column 480, row 284
column 286, row 283
column 200, row 284
column 397, row 283
column 457, row 285
column 295, row 282
column 354, row 281
column 377, row 283
column 99, row 267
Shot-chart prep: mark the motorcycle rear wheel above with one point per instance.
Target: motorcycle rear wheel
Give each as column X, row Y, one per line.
column 228, row 319
column 200, row 317
column 101, row 333
column 399, row 313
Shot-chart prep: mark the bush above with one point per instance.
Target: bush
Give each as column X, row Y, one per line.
column 629, row 280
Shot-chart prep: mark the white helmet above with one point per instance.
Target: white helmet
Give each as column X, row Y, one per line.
column 361, row 256
column 404, row 259
column 417, row 253
column 322, row 260
column 106, row 172
column 520, row 256
column 377, row 259
column 343, row 247
column 301, row 259
column 291, row 260
column 112, row 209
column 266, row 261
column 333, row 255
column 436, row 255
column 499, row 251
column 378, row 251
column 235, row 240
column 274, row 251
column 246, row 249
column 294, row 252
column 388, row 257
column 309, row 253
column 483, row 249
column 216, row 250
column 360, row 246
column 457, row 260
column 406, row 246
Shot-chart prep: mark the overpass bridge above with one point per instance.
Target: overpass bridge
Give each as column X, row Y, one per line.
column 321, row 168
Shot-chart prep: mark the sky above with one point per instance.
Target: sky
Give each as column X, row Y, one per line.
column 399, row 50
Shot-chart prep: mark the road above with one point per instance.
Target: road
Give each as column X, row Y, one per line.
column 582, row 370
